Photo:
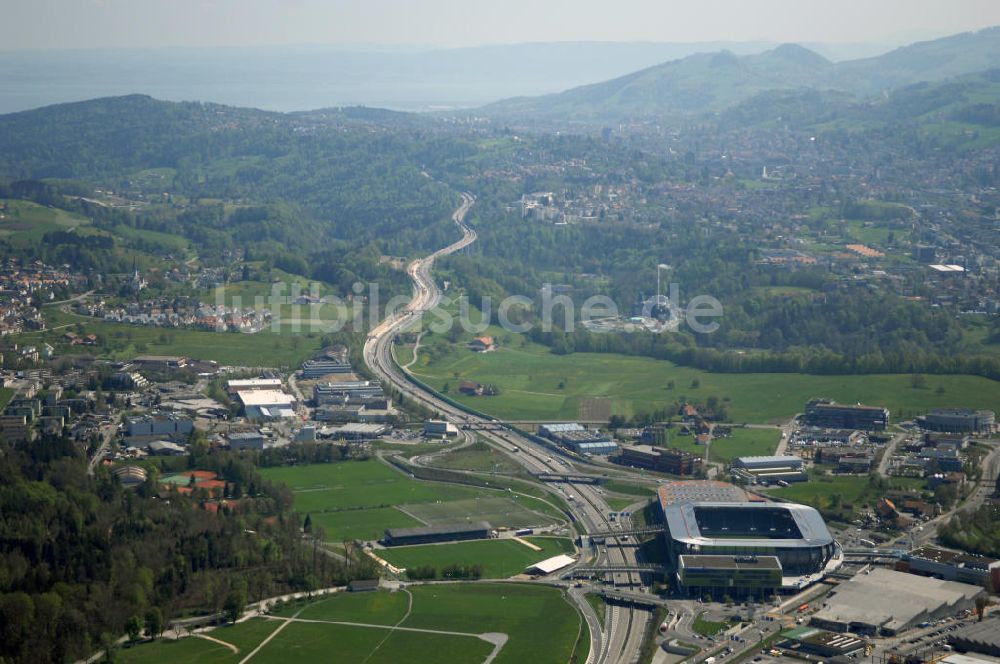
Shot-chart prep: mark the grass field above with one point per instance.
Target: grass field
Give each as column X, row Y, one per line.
column 377, row 608
column 842, row 495
column 24, row 222
column 122, row 341
column 360, row 499
column 744, row 442
column 362, row 524
column 500, row 510
column 245, row 636
column 478, row 456
column 529, row 377
column 500, row 558
column 6, row 394
column 708, row 627
column 468, row 609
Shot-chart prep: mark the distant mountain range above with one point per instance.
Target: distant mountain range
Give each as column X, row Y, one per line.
column 715, row 82
column 299, row 78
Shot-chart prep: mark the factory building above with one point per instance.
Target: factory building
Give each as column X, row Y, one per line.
column 831, row 415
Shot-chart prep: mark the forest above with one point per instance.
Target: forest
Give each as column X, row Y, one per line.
column 82, row 559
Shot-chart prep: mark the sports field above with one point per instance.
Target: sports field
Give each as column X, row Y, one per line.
column 535, row 383
column 500, row 558
column 360, row 499
column 434, row 623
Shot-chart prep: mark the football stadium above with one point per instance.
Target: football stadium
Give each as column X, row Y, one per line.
column 717, row 527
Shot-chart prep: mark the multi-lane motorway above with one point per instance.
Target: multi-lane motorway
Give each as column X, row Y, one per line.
column 621, row 636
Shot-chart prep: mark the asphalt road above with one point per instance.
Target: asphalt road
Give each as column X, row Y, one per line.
column 621, row 636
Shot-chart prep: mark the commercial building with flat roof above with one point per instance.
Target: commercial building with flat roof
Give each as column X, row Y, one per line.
column 820, row 643
column 769, row 469
column 959, row 420
column 159, row 424
column 325, row 367
column 952, row 566
column 266, row 404
column 664, row 460
column 433, row 534
column 737, row 576
column 578, row 438
column 247, row 384
column 249, row 440
column 831, row 415
column 439, row 429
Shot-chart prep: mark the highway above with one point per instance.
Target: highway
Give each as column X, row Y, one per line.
column 621, row 637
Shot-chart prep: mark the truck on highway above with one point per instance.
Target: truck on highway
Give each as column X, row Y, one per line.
column 521, row 532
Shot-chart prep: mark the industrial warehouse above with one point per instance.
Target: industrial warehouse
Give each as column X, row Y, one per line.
column 888, row 602
column 719, row 541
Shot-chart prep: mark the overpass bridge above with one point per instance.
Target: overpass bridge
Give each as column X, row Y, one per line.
column 634, row 599
column 620, row 532
column 639, row 568
column 570, row 478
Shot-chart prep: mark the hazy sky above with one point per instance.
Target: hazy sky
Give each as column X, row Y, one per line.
column 116, row 23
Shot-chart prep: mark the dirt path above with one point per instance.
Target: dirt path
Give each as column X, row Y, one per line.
column 409, row 609
column 416, row 350
column 201, row 635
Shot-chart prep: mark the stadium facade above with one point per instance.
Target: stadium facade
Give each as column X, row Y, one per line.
column 718, row 522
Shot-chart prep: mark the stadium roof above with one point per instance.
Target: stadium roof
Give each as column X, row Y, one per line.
column 700, row 491
column 552, row 564
column 683, row 525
